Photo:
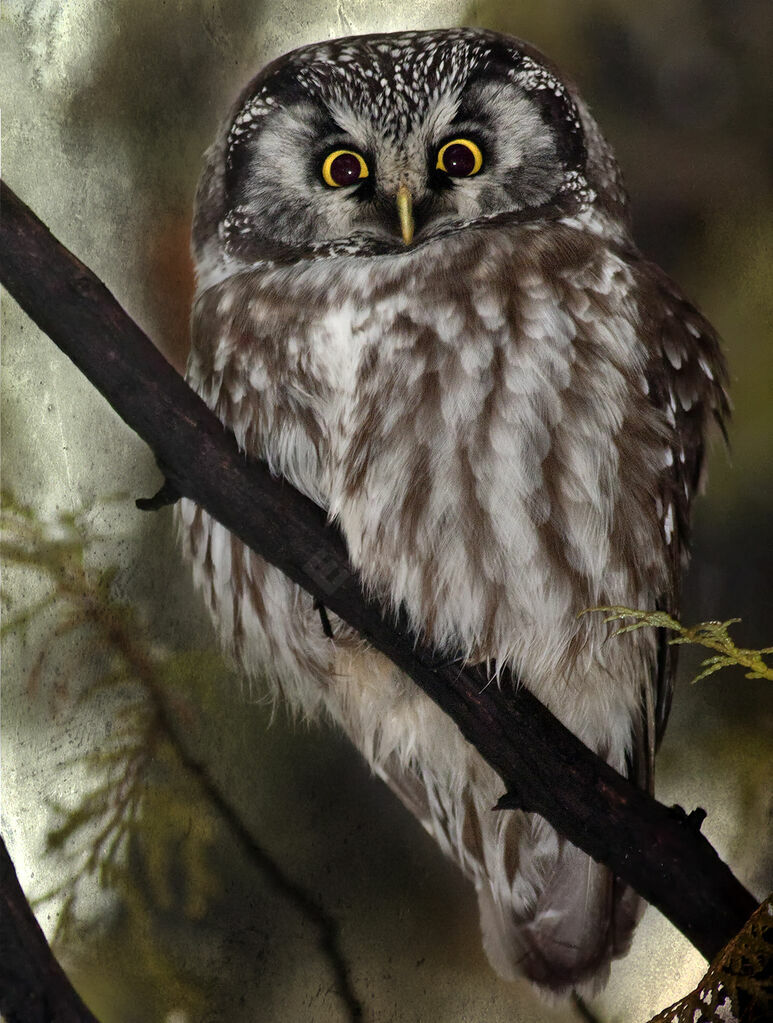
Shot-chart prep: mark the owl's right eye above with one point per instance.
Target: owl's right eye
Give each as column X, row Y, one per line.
column 343, row 167
column 460, row 158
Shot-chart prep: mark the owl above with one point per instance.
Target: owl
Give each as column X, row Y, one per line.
column 418, row 300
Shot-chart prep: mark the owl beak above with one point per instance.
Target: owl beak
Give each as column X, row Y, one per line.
column 405, row 212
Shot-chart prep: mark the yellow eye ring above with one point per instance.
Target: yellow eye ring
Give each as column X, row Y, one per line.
column 343, row 167
column 461, row 161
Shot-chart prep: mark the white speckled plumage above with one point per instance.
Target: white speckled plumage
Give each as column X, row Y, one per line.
column 485, row 415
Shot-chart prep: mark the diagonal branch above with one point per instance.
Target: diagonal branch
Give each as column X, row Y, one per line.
column 659, row 851
column 33, row 985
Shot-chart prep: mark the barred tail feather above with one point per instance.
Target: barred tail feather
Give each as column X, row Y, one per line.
column 547, row 910
column 582, row 920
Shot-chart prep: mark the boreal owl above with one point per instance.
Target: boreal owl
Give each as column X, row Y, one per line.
column 418, row 300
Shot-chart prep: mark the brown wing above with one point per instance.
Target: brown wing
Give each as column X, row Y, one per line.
column 687, row 378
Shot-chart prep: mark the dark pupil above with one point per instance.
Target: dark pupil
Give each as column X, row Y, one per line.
column 345, row 169
column 459, row 160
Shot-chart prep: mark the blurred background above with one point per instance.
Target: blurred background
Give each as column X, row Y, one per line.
column 106, row 111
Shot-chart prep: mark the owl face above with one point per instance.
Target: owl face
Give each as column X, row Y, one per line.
column 389, row 141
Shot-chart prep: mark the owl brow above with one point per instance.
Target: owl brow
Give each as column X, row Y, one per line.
column 478, row 127
column 332, row 133
column 464, row 115
column 468, row 112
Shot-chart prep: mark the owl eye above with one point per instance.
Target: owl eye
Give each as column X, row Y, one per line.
column 343, row 167
column 460, row 158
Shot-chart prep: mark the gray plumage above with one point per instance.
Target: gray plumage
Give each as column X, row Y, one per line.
column 506, row 417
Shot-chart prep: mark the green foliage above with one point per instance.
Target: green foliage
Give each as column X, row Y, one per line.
column 143, row 813
column 712, row 635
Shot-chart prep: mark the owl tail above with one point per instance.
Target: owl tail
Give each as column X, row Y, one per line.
column 565, row 934
column 547, row 910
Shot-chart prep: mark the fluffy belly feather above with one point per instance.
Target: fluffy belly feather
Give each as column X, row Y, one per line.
column 476, row 476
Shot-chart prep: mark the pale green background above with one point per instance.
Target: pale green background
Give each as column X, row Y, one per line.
column 106, row 110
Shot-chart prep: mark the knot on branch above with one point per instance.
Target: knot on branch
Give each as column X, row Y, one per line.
column 693, row 820
column 512, row 800
column 168, row 494
column 696, row 817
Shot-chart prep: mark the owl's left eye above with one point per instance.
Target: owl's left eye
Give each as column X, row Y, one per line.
column 460, row 158
column 343, row 167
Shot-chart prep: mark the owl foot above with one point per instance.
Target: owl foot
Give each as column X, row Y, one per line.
column 327, row 628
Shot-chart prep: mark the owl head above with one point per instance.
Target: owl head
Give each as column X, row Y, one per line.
column 375, row 144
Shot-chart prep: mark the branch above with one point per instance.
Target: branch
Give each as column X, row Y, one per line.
column 659, row 851
column 33, row 985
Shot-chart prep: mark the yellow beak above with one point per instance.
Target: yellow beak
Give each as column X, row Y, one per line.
column 405, row 212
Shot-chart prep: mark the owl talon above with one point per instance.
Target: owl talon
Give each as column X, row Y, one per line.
column 327, row 628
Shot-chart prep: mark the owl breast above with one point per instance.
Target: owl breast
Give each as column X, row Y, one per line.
column 465, row 414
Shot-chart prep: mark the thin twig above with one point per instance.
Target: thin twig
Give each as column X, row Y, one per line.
column 327, row 926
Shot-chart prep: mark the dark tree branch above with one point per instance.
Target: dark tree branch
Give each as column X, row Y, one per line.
column 658, row 850
column 33, row 986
